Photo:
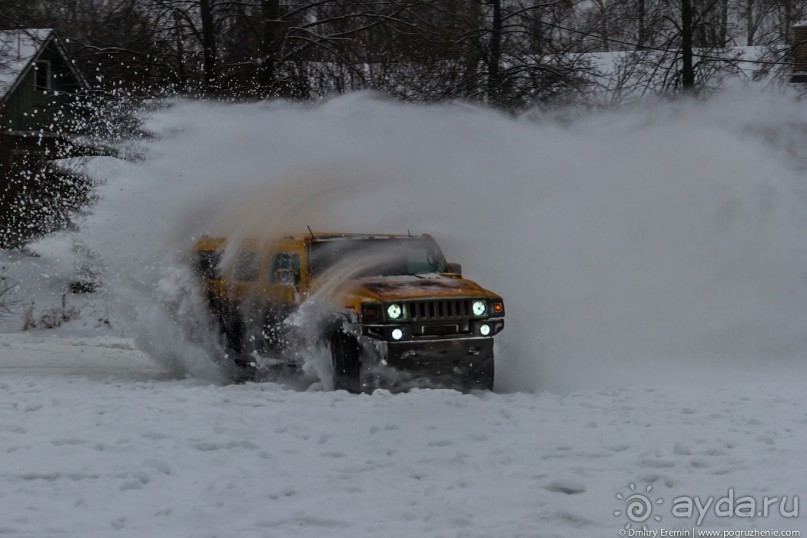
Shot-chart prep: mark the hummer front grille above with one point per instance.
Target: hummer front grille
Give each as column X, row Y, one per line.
column 439, row 309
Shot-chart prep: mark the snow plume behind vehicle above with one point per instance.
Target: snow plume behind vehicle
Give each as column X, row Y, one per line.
column 629, row 245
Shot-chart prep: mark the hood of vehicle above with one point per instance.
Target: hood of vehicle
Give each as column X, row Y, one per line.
column 415, row 287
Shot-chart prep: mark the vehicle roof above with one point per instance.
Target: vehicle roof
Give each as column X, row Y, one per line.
column 211, row 242
column 330, row 236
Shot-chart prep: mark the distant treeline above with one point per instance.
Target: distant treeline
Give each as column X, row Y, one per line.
column 508, row 53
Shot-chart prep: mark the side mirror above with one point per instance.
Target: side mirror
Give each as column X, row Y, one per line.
column 455, row 268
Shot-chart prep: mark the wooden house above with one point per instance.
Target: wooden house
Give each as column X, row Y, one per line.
column 37, row 80
column 38, row 85
column 39, row 88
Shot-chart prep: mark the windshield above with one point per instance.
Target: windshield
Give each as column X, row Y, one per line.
column 376, row 257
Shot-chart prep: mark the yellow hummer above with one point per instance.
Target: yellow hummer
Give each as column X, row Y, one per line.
column 394, row 309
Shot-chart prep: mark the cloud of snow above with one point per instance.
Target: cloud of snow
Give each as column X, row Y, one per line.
column 628, row 245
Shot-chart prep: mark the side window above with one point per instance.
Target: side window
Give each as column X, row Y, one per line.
column 285, row 268
column 207, row 264
column 246, row 266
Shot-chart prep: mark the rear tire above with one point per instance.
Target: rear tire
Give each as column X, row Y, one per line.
column 346, row 360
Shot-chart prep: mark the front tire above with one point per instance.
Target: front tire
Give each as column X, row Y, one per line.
column 346, row 360
column 482, row 375
column 233, row 336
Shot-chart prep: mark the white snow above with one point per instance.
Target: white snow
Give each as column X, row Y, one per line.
column 628, row 246
column 652, row 262
column 96, row 440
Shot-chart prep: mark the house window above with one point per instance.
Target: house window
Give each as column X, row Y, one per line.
column 42, row 75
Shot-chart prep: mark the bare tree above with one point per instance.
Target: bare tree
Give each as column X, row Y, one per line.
column 508, row 53
column 9, row 302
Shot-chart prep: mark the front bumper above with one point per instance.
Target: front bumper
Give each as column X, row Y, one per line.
column 423, row 332
column 436, row 349
column 438, row 357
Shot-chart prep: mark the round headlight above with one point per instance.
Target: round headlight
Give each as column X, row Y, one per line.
column 479, row 308
column 394, row 311
column 397, row 334
column 484, row 330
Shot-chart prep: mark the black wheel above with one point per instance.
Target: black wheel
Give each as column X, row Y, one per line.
column 232, row 333
column 233, row 336
column 346, row 358
column 482, row 376
column 275, row 336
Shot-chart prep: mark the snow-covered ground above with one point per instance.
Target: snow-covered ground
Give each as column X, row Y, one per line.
column 99, row 441
column 653, row 265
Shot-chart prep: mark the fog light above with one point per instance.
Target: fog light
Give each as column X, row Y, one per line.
column 397, row 334
column 484, row 329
